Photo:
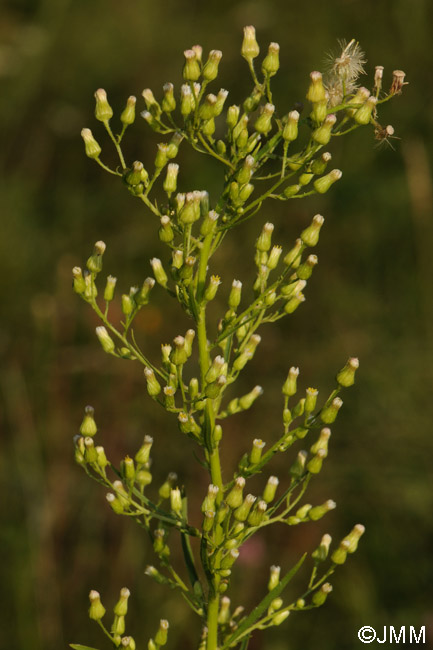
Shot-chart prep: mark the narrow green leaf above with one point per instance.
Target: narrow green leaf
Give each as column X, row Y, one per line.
column 78, row 646
column 264, row 604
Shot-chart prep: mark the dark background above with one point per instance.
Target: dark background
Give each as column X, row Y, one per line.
column 371, row 296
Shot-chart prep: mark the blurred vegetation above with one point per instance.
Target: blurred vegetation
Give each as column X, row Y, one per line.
column 371, row 297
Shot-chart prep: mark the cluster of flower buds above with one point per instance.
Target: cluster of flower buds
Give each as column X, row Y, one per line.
column 117, row 630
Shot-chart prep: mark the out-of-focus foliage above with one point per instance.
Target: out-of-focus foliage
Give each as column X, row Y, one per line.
column 371, row 297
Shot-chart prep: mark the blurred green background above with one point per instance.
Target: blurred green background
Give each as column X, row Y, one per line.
column 371, row 296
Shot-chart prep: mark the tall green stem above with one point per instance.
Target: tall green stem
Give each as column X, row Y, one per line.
column 209, row 429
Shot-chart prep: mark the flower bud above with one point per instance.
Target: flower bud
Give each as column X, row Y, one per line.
column 186, row 100
column 97, row 609
column 256, row 517
column 315, row 464
column 152, row 384
column 263, row 124
column 94, row 263
column 128, row 470
column 250, row 48
column 176, row 501
column 316, row 513
column 290, row 130
column 92, row 148
column 105, row 340
column 310, row 399
column 271, row 62
column 88, row 426
column 353, row 537
column 169, row 401
column 270, row 489
column 170, row 183
column 221, row 98
column 228, row 560
column 165, row 489
column 322, row 441
column 322, row 184
column 256, row 451
column 321, row 552
column 290, row 385
column 158, row 271
column 191, row 68
column 364, row 112
column 212, row 288
column 208, row 521
column 274, row 577
column 142, row 296
column 143, row 477
column 322, row 134
column 362, row 94
column 161, row 155
column 209, row 500
column 318, row 166
column 280, row 617
column 274, row 257
column 103, row 110
column 209, row 222
column 101, row 458
column 339, row 556
column 310, row 236
column 235, row 294
column 321, row 595
column 127, row 305
column 316, row 91
column 275, row 605
column 121, row 607
column 115, row 503
column 224, row 612
column 109, row 288
column 161, row 635
column 210, row 69
column 330, row 411
column 151, row 104
column 79, row 283
column 179, row 354
column 246, row 401
column 168, row 103
column 234, row 497
column 319, row 111
column 128, row 643
column 241, row 513
column 346, row 376
column 207, row 109
column 216, row 369
column 190, row 210
column 263, row 243
column 293, row 257
column 128, row 115
column 291, row 190
column 142, row 455
column 232, row 116
column 298, row 467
